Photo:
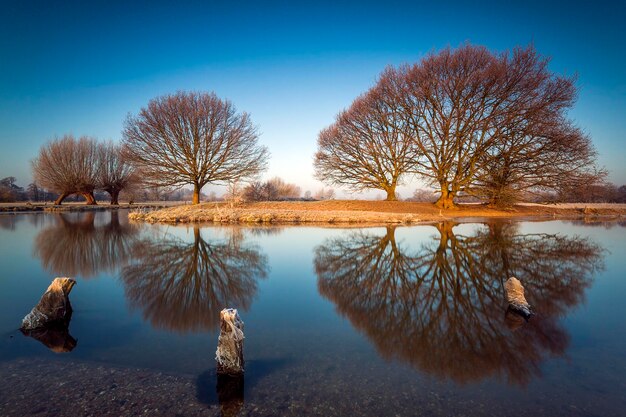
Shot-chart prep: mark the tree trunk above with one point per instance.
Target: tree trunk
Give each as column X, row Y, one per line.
column 62, row 197
column 196, row 194
column 391, row 193
column 114, row 196
column 446, row 200
column 90, row 200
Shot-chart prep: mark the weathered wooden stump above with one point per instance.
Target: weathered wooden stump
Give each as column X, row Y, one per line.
column 229, row 354
column 53, row 307
column 230, row 363
column 515, row 298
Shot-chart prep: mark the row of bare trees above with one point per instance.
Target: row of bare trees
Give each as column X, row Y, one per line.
column 180, row 139
column 80, row 166
column 466, row 120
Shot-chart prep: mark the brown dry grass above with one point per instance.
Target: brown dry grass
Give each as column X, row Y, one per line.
column 354, row 211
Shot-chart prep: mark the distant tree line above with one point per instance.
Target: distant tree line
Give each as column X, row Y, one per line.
column 466, row 120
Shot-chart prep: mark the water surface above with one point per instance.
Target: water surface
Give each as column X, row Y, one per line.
column 338, row 321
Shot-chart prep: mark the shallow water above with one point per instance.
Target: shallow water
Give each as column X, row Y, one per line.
column 338, row 321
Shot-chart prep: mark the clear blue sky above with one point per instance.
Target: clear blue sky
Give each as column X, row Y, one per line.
column 81, row 67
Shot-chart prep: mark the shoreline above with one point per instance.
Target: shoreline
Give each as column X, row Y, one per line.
column 26, row 207
column 364, row 213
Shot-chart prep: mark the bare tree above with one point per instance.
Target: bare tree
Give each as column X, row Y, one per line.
column 324, row 194
column 539, row 150
column 460, row 103
column 33, row 192
column 193, row 138
column 423, row 195
column 256, row 191
column 116, row 173
column 68, row 166
column 285, row 190
column 9, row 190
column 271, row 190
column 367, row 146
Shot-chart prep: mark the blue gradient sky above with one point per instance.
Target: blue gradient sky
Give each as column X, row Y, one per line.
column 81, row 67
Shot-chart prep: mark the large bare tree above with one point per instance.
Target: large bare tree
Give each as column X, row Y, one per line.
column 193, row 138
column 461, row 103
column 116, row 173
column 68, row 166
column 367, row 146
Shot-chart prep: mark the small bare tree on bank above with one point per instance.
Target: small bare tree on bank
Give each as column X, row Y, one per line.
column 68, row 166
column 367, row 146
column 193, row 138
column 115, row 173
column 272, row 190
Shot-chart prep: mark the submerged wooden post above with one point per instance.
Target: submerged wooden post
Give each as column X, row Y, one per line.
column 229, row 354
column 54, row 306
column 515, row 297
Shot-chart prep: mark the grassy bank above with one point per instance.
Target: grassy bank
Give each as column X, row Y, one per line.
column 356, row 211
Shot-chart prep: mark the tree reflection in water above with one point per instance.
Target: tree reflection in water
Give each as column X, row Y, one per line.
column 79, row 245
column 182, row 286
column 441, row 307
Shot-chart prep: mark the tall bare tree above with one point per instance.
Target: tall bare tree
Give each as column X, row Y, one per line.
column 116, row 173
column 367, row 146
column 193, row 138
column 68, row 166
column 460, row 103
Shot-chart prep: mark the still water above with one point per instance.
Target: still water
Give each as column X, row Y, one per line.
column 338, row 321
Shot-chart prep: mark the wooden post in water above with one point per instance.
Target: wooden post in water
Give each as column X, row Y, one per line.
column 54, row 306
column 229, row 354
column 230, row 363
column 515, row 297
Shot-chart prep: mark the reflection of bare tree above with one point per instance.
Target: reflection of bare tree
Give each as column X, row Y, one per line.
column 183, row 286
column 78, row 245
column 9, row 221
column 441, row 307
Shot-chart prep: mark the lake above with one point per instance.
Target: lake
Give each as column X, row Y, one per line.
column 338, row 320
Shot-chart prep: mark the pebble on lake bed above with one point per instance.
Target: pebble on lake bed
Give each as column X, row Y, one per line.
column 53, row 307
